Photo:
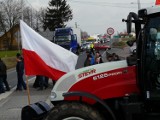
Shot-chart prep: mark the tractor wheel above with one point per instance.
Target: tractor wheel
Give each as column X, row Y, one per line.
column 73, row 111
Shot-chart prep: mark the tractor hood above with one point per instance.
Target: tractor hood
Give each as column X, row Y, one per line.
column 106, row 80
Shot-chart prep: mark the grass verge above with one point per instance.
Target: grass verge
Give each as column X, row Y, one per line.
column 9, row 58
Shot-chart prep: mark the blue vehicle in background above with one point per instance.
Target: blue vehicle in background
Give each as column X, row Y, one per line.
column 68, row 38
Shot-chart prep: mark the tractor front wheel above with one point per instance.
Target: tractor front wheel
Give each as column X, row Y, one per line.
column 73, row 111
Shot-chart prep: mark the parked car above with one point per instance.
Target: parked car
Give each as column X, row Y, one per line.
column 99, row 46
column 85, row 46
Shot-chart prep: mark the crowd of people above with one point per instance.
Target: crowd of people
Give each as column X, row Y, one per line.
column 92, row 58
column 4, row 86
column 41, row 82
column 96, row 58
column 113, row 57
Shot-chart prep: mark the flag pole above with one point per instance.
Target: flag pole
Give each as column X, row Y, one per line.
column 28, row 91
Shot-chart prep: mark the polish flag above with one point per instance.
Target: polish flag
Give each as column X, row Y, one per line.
column 157, row 2
column 42, row 57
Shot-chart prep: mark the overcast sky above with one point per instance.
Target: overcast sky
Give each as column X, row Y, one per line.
column 95, row 16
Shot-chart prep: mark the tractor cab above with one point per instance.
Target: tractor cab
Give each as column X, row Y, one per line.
column 147, row 27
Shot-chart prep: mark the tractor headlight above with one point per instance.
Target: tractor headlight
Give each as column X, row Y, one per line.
column 53, row 95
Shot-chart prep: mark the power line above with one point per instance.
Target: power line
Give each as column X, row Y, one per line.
column 30, row 5
column 101, row 4
column 121, row 5
column 107, row 2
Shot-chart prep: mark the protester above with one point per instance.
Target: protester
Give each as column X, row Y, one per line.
column 98, row 58
column 20, row 72
column 3, row 73
column 2, row 90
column 87, row 62
column 92, row 48
column 36, row 82
column 115, row 57
column 90, row 60
column 42, row 82
column 109, row 58
column 46, row 79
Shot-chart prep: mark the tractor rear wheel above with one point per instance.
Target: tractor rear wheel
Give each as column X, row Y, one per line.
column 73, row 111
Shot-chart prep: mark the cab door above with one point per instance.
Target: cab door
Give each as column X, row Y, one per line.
column 150, row 59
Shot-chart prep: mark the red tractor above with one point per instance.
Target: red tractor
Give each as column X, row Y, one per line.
column 120, row 90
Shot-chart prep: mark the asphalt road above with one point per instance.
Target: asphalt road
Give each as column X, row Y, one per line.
column 12, row 77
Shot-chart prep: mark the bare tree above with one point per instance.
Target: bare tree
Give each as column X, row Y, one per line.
column 41, row 17
column 27, row 15
column 34, row 18
column 11, row 12
column 2, row 22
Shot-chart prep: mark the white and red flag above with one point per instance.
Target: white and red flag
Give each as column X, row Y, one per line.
column 42, row 57
column 157, row 2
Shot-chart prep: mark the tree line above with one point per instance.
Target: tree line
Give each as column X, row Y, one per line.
column 55, row 15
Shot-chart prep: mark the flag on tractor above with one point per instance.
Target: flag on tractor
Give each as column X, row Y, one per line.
column 42, row 57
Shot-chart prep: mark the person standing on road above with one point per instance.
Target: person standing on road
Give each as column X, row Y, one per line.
column 115, row 57
column 87, row 60
column 42, row 82
column 98, row 58
column 90, row 60
column 20, row 72
column 109, row 58
column 2, row 90
column 4, row 74
column 92, row 48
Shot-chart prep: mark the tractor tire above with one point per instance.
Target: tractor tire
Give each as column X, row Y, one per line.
column 73, row 111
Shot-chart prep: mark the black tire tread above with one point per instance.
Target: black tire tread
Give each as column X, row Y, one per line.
column 76, row 108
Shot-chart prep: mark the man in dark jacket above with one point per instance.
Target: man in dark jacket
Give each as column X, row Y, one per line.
column 4, row 74
column 2, row 90
column 20, row 72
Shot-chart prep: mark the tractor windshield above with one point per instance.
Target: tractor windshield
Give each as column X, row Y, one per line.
column 152, row 52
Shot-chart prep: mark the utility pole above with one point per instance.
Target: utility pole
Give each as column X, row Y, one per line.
column 139, row 4
column 76, row 24
column 22, row 9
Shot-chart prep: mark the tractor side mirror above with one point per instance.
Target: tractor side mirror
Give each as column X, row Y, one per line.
column 74, row 37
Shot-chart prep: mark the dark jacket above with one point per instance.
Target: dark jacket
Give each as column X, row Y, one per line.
column 20, row 67
column 3, row 68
